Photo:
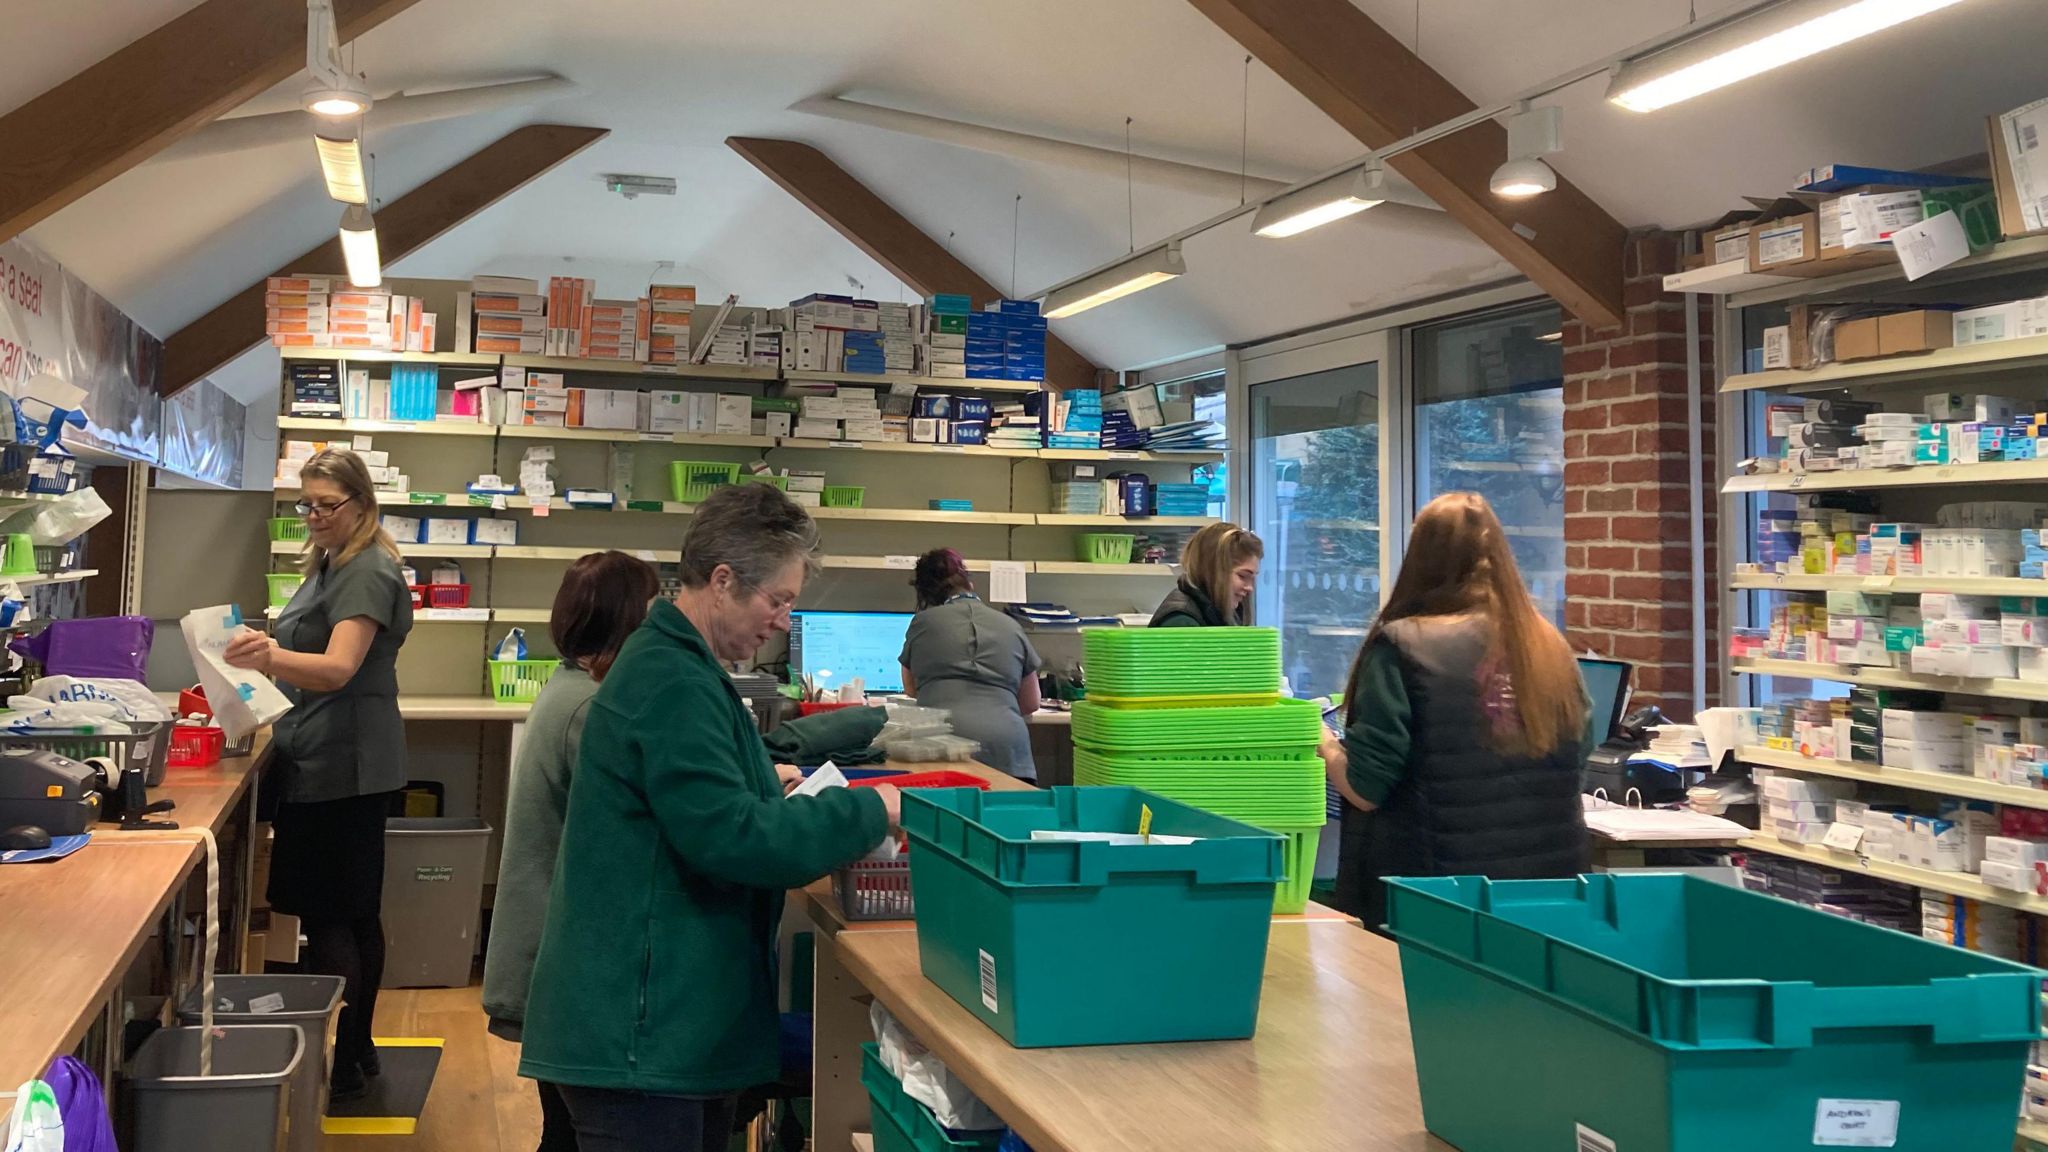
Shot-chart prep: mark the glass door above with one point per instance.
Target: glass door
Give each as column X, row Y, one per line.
column 1313, row 490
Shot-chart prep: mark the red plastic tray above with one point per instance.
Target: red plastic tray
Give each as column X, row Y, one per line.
column 447, row 595
column 941, row 778
column 196, row 747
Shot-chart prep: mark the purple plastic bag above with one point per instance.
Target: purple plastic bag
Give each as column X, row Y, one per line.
column 83, row 1106
column 99, row 647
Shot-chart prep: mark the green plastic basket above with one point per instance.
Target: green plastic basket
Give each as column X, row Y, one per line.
column 283, row 586
column 690, row 481
column 779, row 483
column 287, row 528
column 1670, row 1013
column 902, row 1124
column 1104, row 547
column 1291, row 793
column 519, row 681
column 842, row 496
column 1001, row 916
column 1135, row 662
column 1292, row 896
column 1281, row 723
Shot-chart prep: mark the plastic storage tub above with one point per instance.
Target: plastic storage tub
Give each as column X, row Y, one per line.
column 283, row 586
column 1104, row 547
column 145, row 748
column 1181, row 662
column 690, row 481
column 312, row 1004
column 842, row 496
column 433, row 896
column 519, row 681
column 1001, row 917
column 243, row 1104
column 901, row 1124
column 1665, row 1013
column 196, row 746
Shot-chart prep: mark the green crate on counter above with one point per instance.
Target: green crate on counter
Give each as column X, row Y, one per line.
column 1666, row 1013
column 902, row 1124
column 1150, row 730
column 1136, row 662
column 520, row 681
column 1001, row 916
column 690, row 481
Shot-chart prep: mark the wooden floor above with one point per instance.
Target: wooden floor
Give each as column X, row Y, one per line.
column 478, row 1103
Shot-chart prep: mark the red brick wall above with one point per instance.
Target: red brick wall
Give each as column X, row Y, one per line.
column 1628, row 541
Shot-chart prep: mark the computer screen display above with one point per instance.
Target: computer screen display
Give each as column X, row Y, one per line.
column 832, row 648
column 1607, row 684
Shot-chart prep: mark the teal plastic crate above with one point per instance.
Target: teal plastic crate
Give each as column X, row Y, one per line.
column 1180, row 930
column 902, row 1124
column 1666, row 1013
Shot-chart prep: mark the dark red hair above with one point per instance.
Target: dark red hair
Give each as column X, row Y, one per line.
column 603, row 598
column 941, row 575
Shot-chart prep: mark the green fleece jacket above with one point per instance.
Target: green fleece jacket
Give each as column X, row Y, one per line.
column 656, row 970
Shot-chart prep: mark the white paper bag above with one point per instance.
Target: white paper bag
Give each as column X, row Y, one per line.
column 242, row 701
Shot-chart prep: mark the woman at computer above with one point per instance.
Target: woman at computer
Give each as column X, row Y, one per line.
column 1465, row 726
column 1217, row 570
column 964, row 656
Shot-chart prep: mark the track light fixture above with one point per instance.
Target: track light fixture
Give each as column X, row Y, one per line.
column 1532, row 133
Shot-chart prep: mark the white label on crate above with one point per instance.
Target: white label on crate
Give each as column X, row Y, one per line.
column 1843, row 837
column 988, row 984
column 1591, row 1141
column 266, row 1004
column 1856, row 1124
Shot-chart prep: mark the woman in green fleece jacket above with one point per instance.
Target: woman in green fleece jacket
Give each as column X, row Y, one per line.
column 653, row 1001
column 603, row 598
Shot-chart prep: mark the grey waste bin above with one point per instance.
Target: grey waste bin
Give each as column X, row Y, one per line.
column 312, row 1004
column 433, row 899
column 242, row 1106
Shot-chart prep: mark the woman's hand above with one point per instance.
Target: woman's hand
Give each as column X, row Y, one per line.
column 790, row 775
column 1335, row 759
column 251, row 650
column 892, row 803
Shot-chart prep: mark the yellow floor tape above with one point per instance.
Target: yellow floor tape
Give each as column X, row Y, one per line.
column 381, row 1125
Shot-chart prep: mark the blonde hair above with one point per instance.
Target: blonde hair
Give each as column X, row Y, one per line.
column 346, row 471
column 1459, row 562
column 1212, row 555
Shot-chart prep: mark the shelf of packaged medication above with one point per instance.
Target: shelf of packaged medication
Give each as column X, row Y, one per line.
column 1941, row 783
column 428, row 551
column 1885, row 585
column 636, row 368
column 617, row 436
column 542, row 552
column 388, row 427
column 1924, row 476
column 898, row 563
column 804, row 444
column 1132, row 454
column 1892, row 678
column 1065, row 519
column 921, row 515
column 428, row 615
column 1963, row 884
column 890, row 379
column 32, row 581
column 2004, row 258
column 1083, row 568
column 412, row 707
column 520, row 615
column 1943, row 363
column 367, row 356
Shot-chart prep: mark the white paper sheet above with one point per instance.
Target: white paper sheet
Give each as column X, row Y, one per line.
column 1930, row 245
column 1006, row 582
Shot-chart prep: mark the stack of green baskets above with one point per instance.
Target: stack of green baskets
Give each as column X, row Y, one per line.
column 693, row 480
column 1195, row 715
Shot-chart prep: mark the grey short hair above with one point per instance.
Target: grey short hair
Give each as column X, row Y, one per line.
column 752, row 529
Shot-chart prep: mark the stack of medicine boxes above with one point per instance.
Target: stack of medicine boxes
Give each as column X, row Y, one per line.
column 946, row 320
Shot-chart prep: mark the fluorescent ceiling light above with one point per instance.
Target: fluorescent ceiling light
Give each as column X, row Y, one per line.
column 1342, row 195
column 359, row 247
column 1753, row 44
column 1517, row 179
column 341, row 163
column 1136, row 274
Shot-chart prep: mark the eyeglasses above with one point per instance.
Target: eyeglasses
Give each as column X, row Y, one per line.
column 307, row 509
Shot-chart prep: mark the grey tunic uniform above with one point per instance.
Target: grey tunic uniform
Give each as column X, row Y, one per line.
column 968, row 658
column 349, row 742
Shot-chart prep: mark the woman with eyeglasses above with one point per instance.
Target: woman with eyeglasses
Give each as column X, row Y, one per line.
column 340, row 751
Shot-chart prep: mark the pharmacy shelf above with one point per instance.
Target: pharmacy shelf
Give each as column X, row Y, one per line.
column 1892, row 678
column 1943, row 363
column 1940, row 783
column 426, row 551
column 1722, row 279
column 890, row 563
column 1927, row 476
column 520, row 615
column 1954, row 883
column 412, row 707
column 2007, row 257
column 389, row 427
column 921, row 515
column 365, row 356
column 1084, row 568
column 1129, row 454
column 425, row 615
column 613, row 436
column 1888, row 585
column 2032, row 1130
column 890, row 379
column 636, row 368
column 1068, row 519
column 43, row 578
column 804, row 444
column 544, row 552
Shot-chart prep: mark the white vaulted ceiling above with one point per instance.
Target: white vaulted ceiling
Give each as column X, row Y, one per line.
column 171, row 239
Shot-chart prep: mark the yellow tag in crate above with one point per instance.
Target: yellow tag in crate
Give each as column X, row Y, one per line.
column 1145, row 822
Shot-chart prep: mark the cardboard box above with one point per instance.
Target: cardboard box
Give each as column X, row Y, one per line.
column 1918, row 331
column 1855, row 339
column 1781, row 244
column 614, row 409
column 2019, row 169
column 510, row 345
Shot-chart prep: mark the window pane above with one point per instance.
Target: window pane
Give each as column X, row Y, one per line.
column 1489, row 418
column 1316, row 504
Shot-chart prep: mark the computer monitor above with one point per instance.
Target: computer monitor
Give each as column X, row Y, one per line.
column 832, row 648
column 1607, row 683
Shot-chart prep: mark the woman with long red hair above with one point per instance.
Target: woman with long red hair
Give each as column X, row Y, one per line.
column 1465, row 722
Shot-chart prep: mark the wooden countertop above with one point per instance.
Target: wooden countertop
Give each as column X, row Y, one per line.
column 1330, row 1069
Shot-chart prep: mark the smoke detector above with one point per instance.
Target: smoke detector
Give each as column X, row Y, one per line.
column 633, row 186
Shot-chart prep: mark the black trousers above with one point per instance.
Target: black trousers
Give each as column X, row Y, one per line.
column 327, row 868
column 609, row 1120
column 557, row 1129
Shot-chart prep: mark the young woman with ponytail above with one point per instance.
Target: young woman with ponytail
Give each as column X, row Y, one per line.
column 1465, row 724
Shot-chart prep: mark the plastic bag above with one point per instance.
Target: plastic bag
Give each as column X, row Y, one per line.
column 103, row 647
column 36, row 1125
column 31, row 714
column 512, row 647
column 66, row 519
column 927, row 1080
column 87, row 1127
column 242, row 701
column 132, row 698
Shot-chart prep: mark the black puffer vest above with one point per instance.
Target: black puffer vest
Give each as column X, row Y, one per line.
column 1464, row 809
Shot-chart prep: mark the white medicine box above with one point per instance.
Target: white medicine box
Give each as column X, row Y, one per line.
column 447, row 531
column 483, row 530
column 403, row 529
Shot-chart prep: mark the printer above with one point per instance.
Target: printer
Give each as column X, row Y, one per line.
column 60, row 795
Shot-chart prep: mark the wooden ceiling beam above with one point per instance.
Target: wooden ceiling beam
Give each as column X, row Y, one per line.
column 1371, row 84
column 404, row 226
column 922, row 263
column 145, row 97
